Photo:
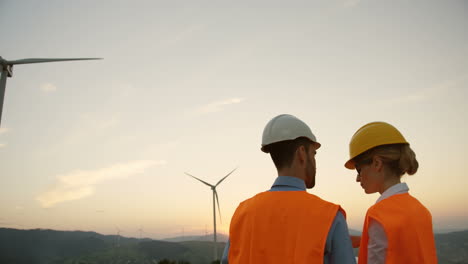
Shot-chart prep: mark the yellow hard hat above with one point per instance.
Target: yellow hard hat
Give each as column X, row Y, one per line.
column 372, row 135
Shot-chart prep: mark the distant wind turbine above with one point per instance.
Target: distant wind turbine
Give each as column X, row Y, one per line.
column 118, row 235
column 141, row 231
column 6, row 69
column 215, row 197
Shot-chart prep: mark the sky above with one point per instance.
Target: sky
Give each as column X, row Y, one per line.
column 188, row 86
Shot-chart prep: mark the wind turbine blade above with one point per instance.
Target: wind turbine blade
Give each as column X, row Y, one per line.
column 199, row 180
column 3, row 79
column 42, row 60
column 225, row 176
column 219, row 208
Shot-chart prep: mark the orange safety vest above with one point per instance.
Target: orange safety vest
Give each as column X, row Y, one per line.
column 281, row 227
column 408, row 227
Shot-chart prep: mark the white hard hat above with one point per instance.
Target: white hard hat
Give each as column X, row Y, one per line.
column 286, row 127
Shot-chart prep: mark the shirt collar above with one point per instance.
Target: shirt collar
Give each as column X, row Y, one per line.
column 398, row 188
column 289, row 182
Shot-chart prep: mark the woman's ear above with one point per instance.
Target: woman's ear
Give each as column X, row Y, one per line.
column 377, row 163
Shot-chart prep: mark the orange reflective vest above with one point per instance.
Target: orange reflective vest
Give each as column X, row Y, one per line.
column 281, row 227
column 408, row 227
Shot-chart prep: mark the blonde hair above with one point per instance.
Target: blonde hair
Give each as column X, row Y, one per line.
column 399, row 158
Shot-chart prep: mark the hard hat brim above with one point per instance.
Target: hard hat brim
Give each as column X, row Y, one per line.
column 316, row 144
column 350, row 164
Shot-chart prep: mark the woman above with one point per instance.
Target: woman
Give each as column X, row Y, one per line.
column 397, row 228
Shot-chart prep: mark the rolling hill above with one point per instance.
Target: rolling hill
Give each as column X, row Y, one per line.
column 45, row 246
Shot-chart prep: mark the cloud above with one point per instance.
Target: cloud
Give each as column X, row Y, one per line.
column 111, row 122
column 4, row 130
column 407, row 99
column 351, row 3
column 81, row 183
column 219, row 105
column 450, row 86
column 435, row 92
column 88, row 126
column 184, row 34
column 48, row 87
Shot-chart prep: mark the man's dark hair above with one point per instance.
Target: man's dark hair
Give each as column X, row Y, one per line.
column 282, row 153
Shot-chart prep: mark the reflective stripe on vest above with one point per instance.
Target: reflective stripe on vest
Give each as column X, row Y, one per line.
column 281, row 227
column 408, row 227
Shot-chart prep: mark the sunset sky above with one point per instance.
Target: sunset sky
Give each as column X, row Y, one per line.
column 188, row 86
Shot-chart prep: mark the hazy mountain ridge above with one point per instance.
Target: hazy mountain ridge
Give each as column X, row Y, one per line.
column 354, row 232
column 452, row 248
column 209, row 237
column 45, row 246
column 50, row 246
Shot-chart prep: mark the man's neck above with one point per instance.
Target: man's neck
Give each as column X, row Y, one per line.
column 291, row 172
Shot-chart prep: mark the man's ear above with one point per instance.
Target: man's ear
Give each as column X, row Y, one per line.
column 301, row 154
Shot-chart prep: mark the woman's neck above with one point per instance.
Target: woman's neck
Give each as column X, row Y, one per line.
column 389, row 182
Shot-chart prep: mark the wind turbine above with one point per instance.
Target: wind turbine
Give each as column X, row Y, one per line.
column 118, row 235
column 141, row 231
column 215, row 197
column 6, row 69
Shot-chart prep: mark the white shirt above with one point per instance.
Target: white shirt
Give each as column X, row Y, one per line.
column 378, row 243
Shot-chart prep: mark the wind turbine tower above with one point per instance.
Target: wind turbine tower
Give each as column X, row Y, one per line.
column 141, row 231
column 118, row 236
column 215, row 197
column 6, row 69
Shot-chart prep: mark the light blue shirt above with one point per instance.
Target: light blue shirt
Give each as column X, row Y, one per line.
column 338, row 248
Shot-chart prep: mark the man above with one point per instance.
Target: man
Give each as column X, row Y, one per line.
column 286, row 224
